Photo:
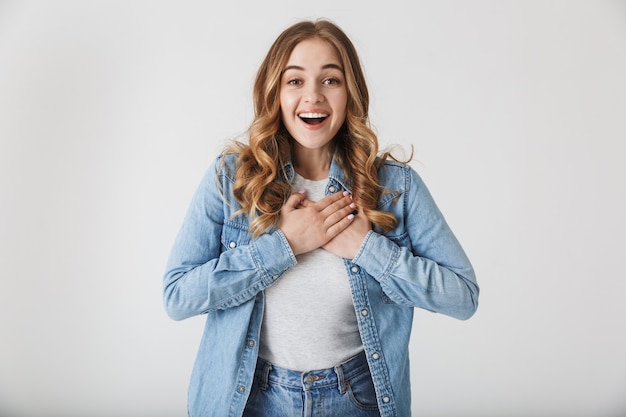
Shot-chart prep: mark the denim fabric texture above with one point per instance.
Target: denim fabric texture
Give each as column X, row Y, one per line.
column 216, row 268
column 346, row 390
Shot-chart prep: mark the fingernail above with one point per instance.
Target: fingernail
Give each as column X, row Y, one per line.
column 352, row 205
column 350, row 216
column 346, row 193
column 302, row 191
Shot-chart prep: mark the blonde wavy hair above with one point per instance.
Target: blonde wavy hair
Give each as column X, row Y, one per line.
column 260, row 183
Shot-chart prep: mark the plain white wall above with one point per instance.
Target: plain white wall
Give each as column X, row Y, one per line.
column 110, row 111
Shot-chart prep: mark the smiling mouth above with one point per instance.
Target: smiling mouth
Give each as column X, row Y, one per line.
column 313, row 118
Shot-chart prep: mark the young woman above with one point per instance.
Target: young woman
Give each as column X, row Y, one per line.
column 308, row 250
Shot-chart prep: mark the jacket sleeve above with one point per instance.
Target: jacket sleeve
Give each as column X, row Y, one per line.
column 432, row 271
column 200, row 274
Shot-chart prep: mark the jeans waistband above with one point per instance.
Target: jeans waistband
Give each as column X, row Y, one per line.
column 310, row 380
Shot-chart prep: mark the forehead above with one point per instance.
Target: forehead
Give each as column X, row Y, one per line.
column 313, row 53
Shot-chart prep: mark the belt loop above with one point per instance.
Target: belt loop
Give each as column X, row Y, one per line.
column 341, row 383
column 265, row 374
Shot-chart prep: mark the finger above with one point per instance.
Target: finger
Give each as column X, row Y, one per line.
column 295, row 200
column 338, row 205
column 305, row 202
column 340, row 226
column 331, row 199
column 341, row 213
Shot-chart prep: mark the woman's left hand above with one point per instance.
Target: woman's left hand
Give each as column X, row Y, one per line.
column 347, row 243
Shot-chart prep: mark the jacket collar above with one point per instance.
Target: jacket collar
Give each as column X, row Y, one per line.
column 334, row 174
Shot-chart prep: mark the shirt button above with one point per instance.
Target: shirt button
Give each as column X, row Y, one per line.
column 364, row 312
column 375, row 355
column 241, row 388
column 251, row 343
column 232, row 245
column 354, row 269
column 386, row 400
column 332, row 188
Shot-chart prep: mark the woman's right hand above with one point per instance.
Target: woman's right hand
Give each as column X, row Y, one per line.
column 308, row 225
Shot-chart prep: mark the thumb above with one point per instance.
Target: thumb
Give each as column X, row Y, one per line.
column 295, row 200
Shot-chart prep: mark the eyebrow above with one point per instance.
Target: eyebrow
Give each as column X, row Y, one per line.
column 299, row 68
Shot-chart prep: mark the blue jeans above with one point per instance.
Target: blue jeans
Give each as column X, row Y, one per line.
column 345, row 390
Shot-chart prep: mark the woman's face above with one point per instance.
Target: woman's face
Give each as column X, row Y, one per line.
column 313, row 94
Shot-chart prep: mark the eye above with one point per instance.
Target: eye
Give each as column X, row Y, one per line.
column 294, row 81
column 331, row 81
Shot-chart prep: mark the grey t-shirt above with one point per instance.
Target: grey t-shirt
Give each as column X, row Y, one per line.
column 309, row 320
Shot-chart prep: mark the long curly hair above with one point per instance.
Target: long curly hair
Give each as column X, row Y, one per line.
column 260, row 186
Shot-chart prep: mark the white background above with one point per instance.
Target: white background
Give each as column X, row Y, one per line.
column 110, row 111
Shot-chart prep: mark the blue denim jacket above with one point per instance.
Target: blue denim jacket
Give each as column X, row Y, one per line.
column 216, row 268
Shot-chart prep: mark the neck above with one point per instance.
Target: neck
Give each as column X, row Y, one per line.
column 312, row 164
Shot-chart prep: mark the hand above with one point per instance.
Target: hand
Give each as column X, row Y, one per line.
column 347, row 243
column 308, row 225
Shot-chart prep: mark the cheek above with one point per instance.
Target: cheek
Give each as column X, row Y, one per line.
column 340, row 101
column 287, row 103
column 342, row 107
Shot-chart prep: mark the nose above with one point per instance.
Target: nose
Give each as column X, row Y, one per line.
column 313, row 94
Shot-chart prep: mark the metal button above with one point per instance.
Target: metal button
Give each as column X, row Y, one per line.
column 241, row 388
column 232, row 245
column 375, row 355
column 251, row 343
column 309, row 379
column 364, row 312
column 354, row 269
column 332, row 188
column 386, row 399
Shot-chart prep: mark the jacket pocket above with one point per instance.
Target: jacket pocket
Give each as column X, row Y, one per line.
column 386, row 298
column 234, row 235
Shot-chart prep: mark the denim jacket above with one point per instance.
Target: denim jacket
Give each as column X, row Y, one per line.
column 216, row 268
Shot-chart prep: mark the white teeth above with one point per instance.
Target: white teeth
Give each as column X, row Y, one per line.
column 312, row 115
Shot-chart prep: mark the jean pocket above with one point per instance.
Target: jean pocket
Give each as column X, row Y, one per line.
column 361, row 391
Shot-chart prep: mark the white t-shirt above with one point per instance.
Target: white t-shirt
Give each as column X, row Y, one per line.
column 309, row 320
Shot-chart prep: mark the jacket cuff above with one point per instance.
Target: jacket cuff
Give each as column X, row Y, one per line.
column 272, row 255
column 377, row 255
